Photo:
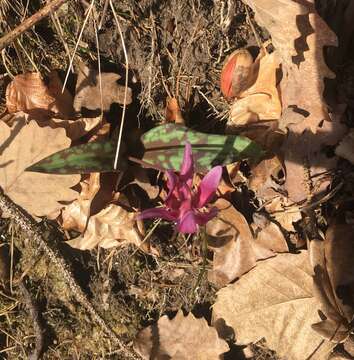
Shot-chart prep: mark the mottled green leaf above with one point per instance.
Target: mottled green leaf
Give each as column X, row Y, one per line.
column 164, row 147
column 82, row 159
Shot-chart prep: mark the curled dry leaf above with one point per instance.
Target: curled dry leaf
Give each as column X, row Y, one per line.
column 31, row 94
column 267, row 177
column 261, row 100
column 23, row 145
column 100, row 224
column 89, row 93
column 332, row 260
column 235, row 251
column 283, row 212
column 282, row 313
column 183, row 337
column 268, row 234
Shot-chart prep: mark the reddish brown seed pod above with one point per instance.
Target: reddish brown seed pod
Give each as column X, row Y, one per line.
column 236, row 73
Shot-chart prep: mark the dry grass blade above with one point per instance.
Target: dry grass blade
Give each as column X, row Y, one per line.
column 126, row 85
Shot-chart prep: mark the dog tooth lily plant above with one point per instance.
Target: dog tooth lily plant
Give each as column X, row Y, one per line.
column 184, row 205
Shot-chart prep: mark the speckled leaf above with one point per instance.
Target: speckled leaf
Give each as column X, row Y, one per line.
column 164, row 147
column 87, row 158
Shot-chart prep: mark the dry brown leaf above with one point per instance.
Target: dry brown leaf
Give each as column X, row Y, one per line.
column 23, row 145
column 88, row 91
column 275, row 301
column 105, row 226
column 260, row 101
column 31, row 94
column 183, row 337
column 345, row 149
column 75, row 129
column 235, row 251
column 268, row 234
column 299, row 35
column 306, row 161
column 267, row 177
column 332, row 260
column 281, row 210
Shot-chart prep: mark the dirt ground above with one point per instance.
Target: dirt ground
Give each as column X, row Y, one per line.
column 175, row 47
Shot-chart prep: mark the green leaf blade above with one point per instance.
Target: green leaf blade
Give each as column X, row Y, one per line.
column 164, row 147
column 82, row 159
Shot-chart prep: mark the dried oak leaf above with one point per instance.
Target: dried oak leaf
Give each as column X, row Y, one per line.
column 299, row 35
column 332, row 260
column 108, row 226
column 31, row 94
column 23, row 145
column 183, row 337
column 235, row 250
column 89, row 94
column 260, row 101
column 274, row 301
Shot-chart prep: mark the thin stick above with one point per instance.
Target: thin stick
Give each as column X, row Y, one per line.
column 32, row 20
column 126, row 85
column 29, row 226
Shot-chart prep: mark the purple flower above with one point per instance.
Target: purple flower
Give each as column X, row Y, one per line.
column 185, row 206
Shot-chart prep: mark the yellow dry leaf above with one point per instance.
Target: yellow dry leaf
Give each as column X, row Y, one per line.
column 23, row 145
column 261, row 100
column 30, row 94
column 183, row 337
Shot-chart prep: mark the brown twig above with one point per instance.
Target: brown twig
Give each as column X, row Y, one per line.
column 28, row 23
column 37, row 322
column 29, row 226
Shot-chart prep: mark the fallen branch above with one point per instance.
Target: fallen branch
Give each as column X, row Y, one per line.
column 28, row 23
column 29, row 226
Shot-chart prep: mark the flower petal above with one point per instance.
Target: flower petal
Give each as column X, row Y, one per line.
column 188, row 224
column 208, row 186
column 172, row 180
column 203, row 218
column 187, row 168
column 157, row 213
